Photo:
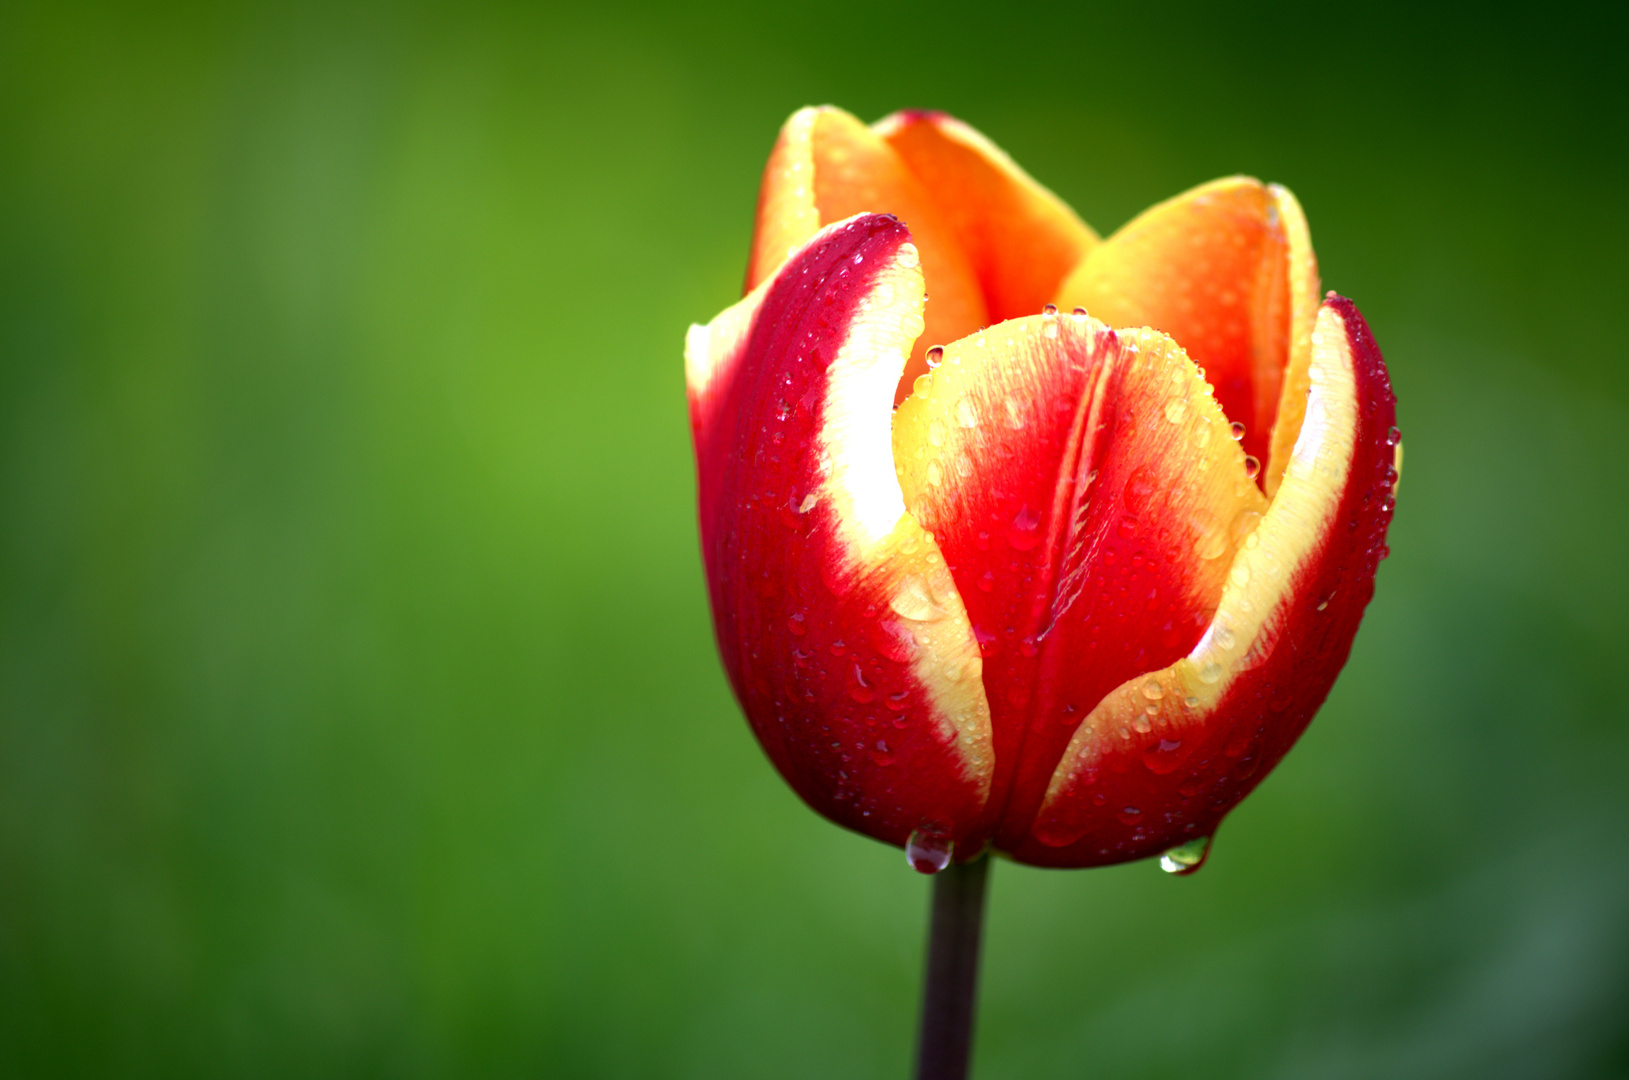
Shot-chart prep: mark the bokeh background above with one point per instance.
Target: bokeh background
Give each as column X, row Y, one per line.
column 359, row 714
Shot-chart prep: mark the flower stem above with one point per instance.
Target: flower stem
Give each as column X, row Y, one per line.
column 952, row 977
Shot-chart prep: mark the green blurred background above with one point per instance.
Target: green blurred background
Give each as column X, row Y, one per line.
column 359, row 714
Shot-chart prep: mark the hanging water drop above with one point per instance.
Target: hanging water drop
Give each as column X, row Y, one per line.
column 1186, row 858
column 1251, row 467
column 928, row 851
column 1236, row 430
column 935, row 356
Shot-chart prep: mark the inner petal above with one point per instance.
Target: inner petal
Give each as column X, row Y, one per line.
column 1021, row 239
column 1221, row 269
column 828, row 166
column 1088, row 500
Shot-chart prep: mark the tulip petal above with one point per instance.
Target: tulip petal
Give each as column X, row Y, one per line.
column 1224, row 714
column 841, row 629
column 1227, row 270
column 827, row 166
column 1022, row 239
column 1086, row 494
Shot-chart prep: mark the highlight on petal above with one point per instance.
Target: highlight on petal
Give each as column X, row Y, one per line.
column 1086, row 494
column 1183, row 743
column 827, row 166
column 841, row 629
column 1227, row 270
column 1021, row 239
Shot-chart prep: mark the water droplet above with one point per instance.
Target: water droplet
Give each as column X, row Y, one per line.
column 914, row 602
column 808, row 503
column 909, row 257
column 1210, row 672
column 964, row 465
column 923, row 386
column 1251, row 467
column 1393, row 437
column 795, row 623
column 965, row 414
column 1186, row 858
column 1244, row 525
column 1236, row 430
column 1024, row 533
column 935, row 356
column 1152, row 690
column 862, row 691
column 987, row 582
column 936, row 432
column 936, row 475
column 1015, row 415
column 1176, row 410
column 1129, row 815
column 1139, row 487
column 1080, row 311
column 928, row 851
column 1049, row 309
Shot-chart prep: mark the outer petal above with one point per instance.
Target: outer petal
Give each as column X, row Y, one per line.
column 840, row 628
column 1182, row 745
column 1225, row 269
column 1086, row 494
column 827, row 166
column 1022, row 239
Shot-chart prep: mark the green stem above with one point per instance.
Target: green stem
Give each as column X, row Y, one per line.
column 951, row 983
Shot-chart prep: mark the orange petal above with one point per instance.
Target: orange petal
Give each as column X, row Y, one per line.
column 1088, row 500
column 1227, row 270
column 1022, row 239
column 1216, row 720
column 827, row 166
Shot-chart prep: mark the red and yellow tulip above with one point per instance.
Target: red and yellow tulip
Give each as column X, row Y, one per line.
column 1087, row 583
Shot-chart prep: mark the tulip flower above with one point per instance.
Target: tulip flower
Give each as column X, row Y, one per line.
column 1018, row 539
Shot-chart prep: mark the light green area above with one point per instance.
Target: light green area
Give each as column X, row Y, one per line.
column 359, row 714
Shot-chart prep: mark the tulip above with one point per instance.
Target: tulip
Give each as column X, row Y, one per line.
column 1060, row 562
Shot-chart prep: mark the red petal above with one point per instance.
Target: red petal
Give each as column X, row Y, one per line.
column 1223, row 715
column 1086, row 493
column 841, row 630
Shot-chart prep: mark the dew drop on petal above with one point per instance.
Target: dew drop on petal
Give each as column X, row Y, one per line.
column 1236, row 430
column 1186, row 858
column 928, row 851
column 1251, row 467
column 965, row 414
column 935, row 356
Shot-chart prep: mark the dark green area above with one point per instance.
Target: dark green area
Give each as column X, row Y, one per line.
column 359, row 714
